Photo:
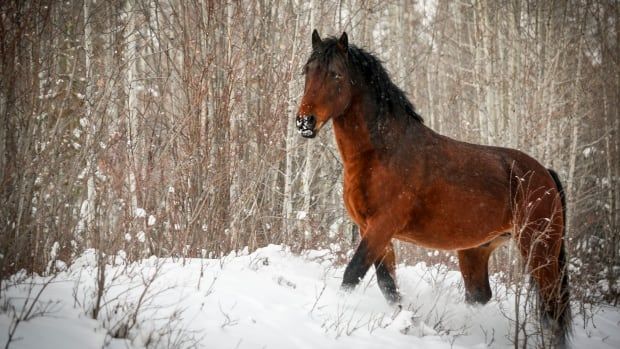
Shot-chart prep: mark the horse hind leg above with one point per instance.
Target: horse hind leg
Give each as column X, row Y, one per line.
column 386, row 275
column 474, row 265
column 545, row 255
column 474, row 268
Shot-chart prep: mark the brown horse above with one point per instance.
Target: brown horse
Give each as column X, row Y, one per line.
column 404, row 181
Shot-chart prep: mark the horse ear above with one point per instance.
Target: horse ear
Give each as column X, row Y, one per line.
column 316, row 39
column 343, row 42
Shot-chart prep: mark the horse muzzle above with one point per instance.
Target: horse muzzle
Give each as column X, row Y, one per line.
column 306, row 125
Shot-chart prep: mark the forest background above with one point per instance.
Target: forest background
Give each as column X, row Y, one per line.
column 167, row 127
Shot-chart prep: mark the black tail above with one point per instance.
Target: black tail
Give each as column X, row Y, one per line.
column 558, row 184
column 562, row 313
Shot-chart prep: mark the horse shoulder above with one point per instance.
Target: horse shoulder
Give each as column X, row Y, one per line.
column 355, row 192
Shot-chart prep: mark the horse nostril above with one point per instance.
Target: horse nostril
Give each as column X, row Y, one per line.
column 306, row 122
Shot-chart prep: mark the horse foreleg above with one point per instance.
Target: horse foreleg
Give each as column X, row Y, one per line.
column 386, row 275
column 371, row 249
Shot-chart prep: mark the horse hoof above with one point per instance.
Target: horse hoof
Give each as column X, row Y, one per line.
column 394, row 299
column 397, row 310
column 477, row 297
column 347, row 288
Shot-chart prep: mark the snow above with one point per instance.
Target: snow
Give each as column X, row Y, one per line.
column 587, row 151
column 270, row 298
column 140, row 212
column 84, row 122
column 428, row 9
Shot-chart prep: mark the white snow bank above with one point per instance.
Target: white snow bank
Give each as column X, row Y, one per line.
column 267, row 299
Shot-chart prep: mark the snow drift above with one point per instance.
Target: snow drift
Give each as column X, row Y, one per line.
column 267, row 299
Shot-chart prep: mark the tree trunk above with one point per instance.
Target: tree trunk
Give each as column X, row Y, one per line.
column 291, row 145
column 91, row 128
column 131, row 55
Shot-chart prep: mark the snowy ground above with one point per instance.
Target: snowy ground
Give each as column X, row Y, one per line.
column 267, row 299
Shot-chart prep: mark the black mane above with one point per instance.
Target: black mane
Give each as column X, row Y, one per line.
column 390, row 99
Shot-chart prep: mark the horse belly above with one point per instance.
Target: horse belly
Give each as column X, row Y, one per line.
column 447, row 241
column 461, row 224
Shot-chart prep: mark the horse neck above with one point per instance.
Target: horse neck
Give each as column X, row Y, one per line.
column 353, row 135
column 358, row 144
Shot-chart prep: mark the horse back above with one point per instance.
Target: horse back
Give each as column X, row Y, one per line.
column 445, row 193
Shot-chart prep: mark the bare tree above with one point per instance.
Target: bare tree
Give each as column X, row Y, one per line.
column 167, row 127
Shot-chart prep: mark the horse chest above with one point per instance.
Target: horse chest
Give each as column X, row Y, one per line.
column 366, row 192
column 356, row 196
